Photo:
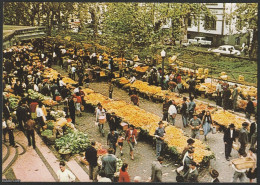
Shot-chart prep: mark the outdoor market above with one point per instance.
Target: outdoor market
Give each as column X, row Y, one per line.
column 85, row 112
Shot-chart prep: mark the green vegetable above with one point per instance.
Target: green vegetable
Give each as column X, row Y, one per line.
column 50, row 125
column 47, row 133
column 76, row 142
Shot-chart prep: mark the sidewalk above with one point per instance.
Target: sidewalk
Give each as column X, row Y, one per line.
column 39, row 165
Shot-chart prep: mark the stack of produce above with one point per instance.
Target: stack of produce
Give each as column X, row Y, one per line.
column 143, row 87
column 74, row 143
column 35, row 95
column 58, row 114
column 141, row 69
column 124, row 81
column 226, row 118
column 69, row 80
column 49, row 102
column 209, row 88
column 175, row 138
column 95, row 98
column 202, row 106
column 87, row 91
column 13, row 101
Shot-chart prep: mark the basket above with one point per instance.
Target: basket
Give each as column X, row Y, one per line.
column 201, row 131
column 243, row 163
column 102, row 121
column 66, row 157
column 214, row 130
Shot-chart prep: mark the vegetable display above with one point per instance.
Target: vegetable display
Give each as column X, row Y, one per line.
column 47, row 133
column 35, row 95
column 76, row 142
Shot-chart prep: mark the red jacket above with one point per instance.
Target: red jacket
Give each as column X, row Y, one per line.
column 123, row 176
column 129, row 136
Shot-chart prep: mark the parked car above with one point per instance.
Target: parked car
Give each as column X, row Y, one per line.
column 226, row 50
column 200, row 41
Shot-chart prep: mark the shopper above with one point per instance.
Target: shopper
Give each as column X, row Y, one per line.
column 123, row 175
column 65, row 175
column 91, row 157
column 190, row 143
column 110, row 90
column 234, row 97
column 159, row 134
column 191, row 107
column 195, row 124
column 72, row 109
column 40, row 116
column 6, row 110
column 250, row 109
column 184, row 112
column 252, row 172
column 112, row 140
column 226, row 96
column 253, row 133
column 172, row 112
column 10, row 128
column 30, row 126
column 100, row 117
column 19, row 114
column 229, row 137
column 206, row 122
column 187, row 161
column 239, row 174
column 219, row 91
column 243, row 138
column 192, row 174
column 109, row 164
column 135, row 98
column 131, row 137
column 166, row 106
column 111, row 121
column 4, row 129
column 192, row 85
column 156, row 175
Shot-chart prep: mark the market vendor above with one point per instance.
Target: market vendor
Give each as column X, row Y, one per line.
column 189, row 146
column 159, row 134
column 195, row 124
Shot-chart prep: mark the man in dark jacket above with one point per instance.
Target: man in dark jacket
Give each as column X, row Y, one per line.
column 30, row 126
column 192, row 174
column 112, row 140
column 184, row 112
column 243, row 138
column 91, row 157
column 229, row 137
column 226, row 96
column 111, row 121
column 192, row 85
column 250, row 109
column 253, row 133
column 53, row 89
column 109, row 164
column 72, row 108
column 20, row 114
column 166, row 106
column 6, row 110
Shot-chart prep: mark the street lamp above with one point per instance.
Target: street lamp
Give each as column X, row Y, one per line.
column 163, row 54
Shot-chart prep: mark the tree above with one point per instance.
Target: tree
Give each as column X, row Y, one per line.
column 247, row 14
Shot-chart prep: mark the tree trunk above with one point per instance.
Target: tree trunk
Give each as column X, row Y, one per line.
column 253, row 51
column 185, row 29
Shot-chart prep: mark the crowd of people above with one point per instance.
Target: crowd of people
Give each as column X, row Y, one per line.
column 28, row 74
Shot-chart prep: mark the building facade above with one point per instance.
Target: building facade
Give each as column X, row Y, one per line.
column 223, row 29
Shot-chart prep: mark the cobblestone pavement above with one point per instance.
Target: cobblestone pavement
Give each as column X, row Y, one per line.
column 144, row 152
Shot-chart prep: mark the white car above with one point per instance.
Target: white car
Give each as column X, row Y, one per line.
column 226, row 50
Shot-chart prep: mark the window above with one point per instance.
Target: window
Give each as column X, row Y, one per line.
column 210, row 23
